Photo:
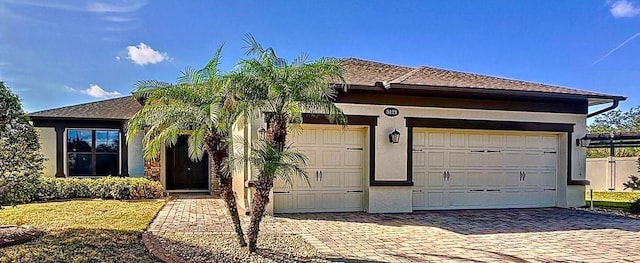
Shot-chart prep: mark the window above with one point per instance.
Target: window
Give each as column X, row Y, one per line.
column 93, row 152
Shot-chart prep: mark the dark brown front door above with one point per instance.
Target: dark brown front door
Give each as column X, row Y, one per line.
column 182, row 172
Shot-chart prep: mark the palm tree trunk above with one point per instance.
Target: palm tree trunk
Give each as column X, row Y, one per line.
column 260, row 201
column 277, row 131
column 218, row 153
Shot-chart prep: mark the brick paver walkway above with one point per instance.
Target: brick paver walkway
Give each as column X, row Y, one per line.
column 515, row 235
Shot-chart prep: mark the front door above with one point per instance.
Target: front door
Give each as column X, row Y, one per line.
column 182, row 172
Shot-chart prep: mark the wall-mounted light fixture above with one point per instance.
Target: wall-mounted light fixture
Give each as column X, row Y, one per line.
column 394, row 137
column 584, row 142
column 262, row 133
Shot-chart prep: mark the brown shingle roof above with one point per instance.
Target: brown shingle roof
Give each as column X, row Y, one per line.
column 114, row 109
column 367, row 73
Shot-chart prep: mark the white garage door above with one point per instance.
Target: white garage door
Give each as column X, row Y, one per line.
column 456, row 169
column 335, row 169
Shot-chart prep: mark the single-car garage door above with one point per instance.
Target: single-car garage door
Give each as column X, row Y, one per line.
column 456, row 169
column 335, row 169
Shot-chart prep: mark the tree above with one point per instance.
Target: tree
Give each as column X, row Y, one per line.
column 21, row 162
column 202, row 104
column 284, row 91
column 615, row 121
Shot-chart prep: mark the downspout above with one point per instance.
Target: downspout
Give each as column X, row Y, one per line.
column 613, row 106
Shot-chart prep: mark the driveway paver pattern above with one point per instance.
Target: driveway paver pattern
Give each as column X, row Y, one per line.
column 510, row 235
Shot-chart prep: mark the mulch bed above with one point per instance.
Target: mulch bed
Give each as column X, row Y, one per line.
column 610, row 211
column 218, row 247
column 14, row 235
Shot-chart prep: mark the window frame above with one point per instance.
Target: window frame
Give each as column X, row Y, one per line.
column 93, row 152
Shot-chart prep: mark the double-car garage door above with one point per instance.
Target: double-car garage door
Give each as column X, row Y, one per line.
column 456, row 169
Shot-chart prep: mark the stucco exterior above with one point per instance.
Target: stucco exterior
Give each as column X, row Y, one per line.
column 48, row 148
column 136, row 157
column 391, row 159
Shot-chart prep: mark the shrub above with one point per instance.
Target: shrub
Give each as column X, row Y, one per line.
column 633, row 183
column 49, row 188
column 635, row 207
column 20, row 157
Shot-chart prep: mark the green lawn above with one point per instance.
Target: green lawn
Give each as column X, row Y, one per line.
column 612, row 199
column 82, row 231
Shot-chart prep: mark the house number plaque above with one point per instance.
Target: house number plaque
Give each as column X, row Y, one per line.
column 391, row 112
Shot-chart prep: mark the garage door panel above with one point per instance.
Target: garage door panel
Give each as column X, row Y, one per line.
column 283, row 201
column 457, row 140
column 435, row 179
column 418, row 199
column 475, row 141
column 495, row 141
column 514, row 141
column 305, row 200
column 330, row 200
column 487, row 172
column 493, row 160
column 476, row 178
column 435, row 140
column 457, row 160
column 419, row 178
column 353, row 159
column 419, row 139
column 419, row 159
column 435, row 160
column 335, row 169
column 352, row 137
column 352, row 201
column 331, row 137
column 475, row 160
column 456, row 179
column 435, row 199
column 332, row 158
column 352, row 179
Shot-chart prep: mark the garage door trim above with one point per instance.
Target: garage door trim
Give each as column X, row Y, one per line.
column 412, row 122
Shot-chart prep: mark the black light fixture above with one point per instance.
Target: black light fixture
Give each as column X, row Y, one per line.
column 584, row 142
column 394, row 137
column 262, row 133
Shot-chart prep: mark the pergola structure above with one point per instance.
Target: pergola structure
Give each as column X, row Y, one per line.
column 610, row 140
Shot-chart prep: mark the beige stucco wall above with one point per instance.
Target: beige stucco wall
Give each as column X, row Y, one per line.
column 391, row 158
column 135, row 155
column 48, row 149
column 240, row 174
column 606, row 176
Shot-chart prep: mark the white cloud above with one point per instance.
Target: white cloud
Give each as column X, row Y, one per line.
column 118, row 58
column 98, row 7
column 94, row 7
column 95, row 91
column 118, row 19
column 624, row 8
column 142, row 54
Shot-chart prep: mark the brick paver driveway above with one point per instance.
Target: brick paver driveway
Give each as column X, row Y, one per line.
column 516, row 235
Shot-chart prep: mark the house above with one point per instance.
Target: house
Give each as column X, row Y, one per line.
column 418, row 139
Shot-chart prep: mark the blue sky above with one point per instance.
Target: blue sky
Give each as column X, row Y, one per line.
column 55, row 53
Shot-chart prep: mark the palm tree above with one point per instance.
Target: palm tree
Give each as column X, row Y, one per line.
column 200, row 104
column 284, row 91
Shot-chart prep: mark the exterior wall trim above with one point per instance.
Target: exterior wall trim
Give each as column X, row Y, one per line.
column 372, row 122
column 467, row 100
column 412, row 122
column 60, row 127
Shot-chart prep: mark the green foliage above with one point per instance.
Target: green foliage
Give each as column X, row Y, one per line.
column 288, row 89
column 633, row 183
column 50, row 188
column 615, row 121
column 635, row 207
column 270, row 163
column 21, row 162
